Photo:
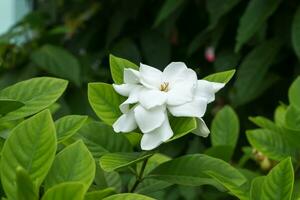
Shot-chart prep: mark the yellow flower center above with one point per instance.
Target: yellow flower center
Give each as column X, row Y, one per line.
column 164, row 87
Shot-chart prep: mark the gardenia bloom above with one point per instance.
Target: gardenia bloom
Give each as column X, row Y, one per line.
column 153, row 95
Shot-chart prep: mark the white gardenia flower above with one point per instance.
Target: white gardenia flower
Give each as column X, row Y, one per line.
column 153, row 94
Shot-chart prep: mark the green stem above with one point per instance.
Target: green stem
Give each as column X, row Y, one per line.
column 139, row 177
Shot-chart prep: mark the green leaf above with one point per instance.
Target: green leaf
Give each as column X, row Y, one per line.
column 26, row 189
column 254, row 17
column 296, row 32
column 32, row 146
column 114, row 161
column 190, row 170
column 182, row 126
column 223, row 152
column 117, row 66
column 217, row 10
column 74, row 163
column 63, row 191
column 270, row 143
column 101, row 139
column 256, row 188
column 240, row 191
column 104, row 101
column 8, row 105
column 57, row 61
column 37, row 94
column 128, row 196
column 107, row 179
column 149, row 186
column 252, row 73
column 99, row 194
column 265, row 123
column 278, row 184
column 225, row 127
column 220, row 77
column 294, row 94
column 68, row 126
column 279, row 115
column 166, row 10
column 292, row 118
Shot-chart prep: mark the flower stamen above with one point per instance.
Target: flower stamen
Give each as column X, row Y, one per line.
column 164, row 87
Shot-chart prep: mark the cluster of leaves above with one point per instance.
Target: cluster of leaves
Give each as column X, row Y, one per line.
column 77, row 157
column 72, row 39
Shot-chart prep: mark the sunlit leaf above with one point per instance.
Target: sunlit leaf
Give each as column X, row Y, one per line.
column 32, row 146
column 117, row 66
column 278, row 184
column 37, row 94
column 104, row 101
column 63, row 191
column 68, row 126
column 73, row 164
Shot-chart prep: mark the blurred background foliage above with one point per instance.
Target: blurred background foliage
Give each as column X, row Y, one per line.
column 72, row 39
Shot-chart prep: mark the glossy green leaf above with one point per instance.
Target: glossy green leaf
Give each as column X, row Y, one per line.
column 8, row 105
column 128, row 196
column 115, row 161
column 225, row 127
column 292, row 118
column 217, row 10
column 105, row 101
column 254, row 17
column 64, row 191
column 182, row 126
column 221, row 77
column 99, row 194
column 101, row 139
column 294, row 94
column 270, row 143
column 296, row 32
column 190, row 170
column 278, row 184
column 74, row 163
column 37, row 94
column 252, row 72
column 117, row 66
column 166, row 10
column 68, row 126
column 57, row 61
column 32, row 146
column 26, row 189
column 240, row 191
column 256, row 188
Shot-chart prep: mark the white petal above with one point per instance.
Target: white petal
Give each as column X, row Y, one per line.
column 202, row 129
column 173, row 70
column 180, row 93
column 206, row 89
column 124, row 89
column 132, row 99
column 148, row 120
column 131, row 76
column 125, row 123
column 195, row 108
column 150, row 77
column 154, row 138
column 150, row 98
